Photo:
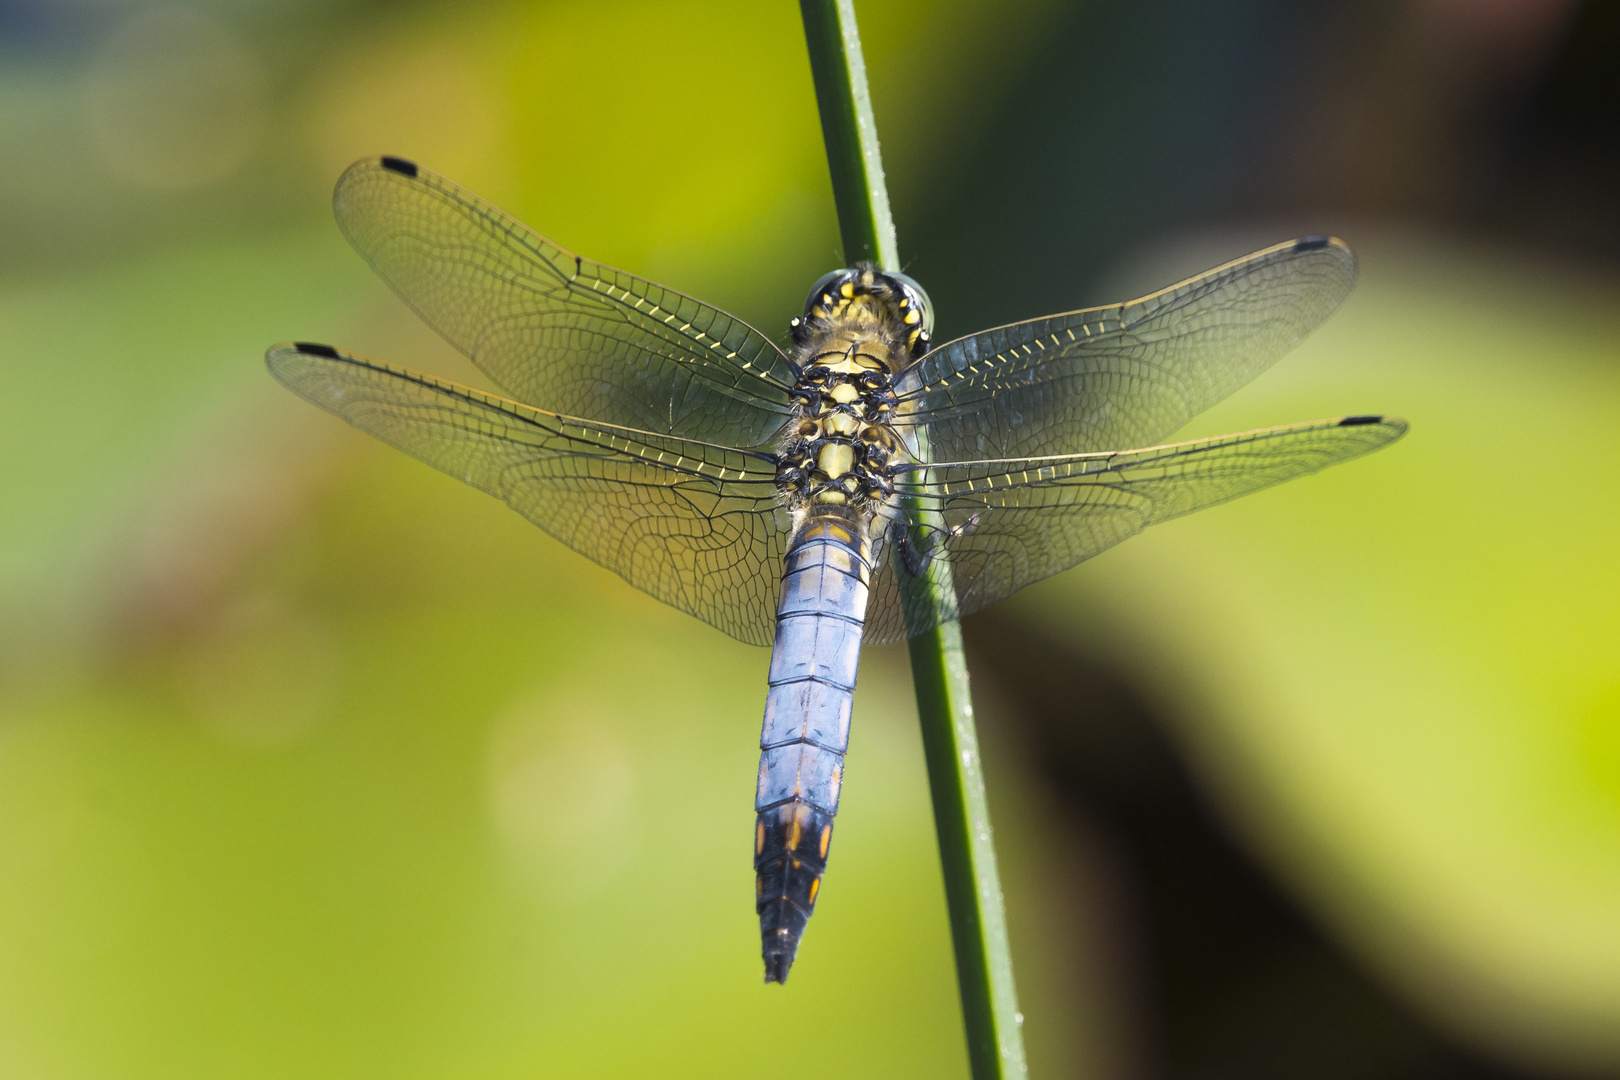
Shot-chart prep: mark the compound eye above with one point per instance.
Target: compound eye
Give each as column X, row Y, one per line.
column 825, row 284
column 919, row 299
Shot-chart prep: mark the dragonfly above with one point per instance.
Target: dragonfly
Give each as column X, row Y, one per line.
column 856, row 483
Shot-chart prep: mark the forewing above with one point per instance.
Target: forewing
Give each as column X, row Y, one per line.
column 694, row 524
column 1127, row 374
column 1006, row 524
column 556, row 330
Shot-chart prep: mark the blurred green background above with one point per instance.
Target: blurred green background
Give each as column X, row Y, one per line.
column 316, row 763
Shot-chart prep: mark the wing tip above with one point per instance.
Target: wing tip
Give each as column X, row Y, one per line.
column 1321, row 242
column 1394, row 423
column 282, row 357
column 403, row 166
column 315, row 348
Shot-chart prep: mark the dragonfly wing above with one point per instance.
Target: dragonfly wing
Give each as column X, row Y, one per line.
column 1006, row 524
column 1127, row 374
column 557, row 330
column 695, row 524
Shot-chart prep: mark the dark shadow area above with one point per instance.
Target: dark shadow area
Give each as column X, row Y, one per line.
column 1129, row 123
column 1235, row 981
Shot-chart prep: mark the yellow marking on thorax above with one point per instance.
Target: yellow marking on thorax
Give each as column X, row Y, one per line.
column 841, row 423
column 836, row 459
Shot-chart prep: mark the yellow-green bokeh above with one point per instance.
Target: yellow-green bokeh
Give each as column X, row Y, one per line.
column 313, row 762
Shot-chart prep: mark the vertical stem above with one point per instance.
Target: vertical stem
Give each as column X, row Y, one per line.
column 984, row 972
column 847, row 127
column 944, row 705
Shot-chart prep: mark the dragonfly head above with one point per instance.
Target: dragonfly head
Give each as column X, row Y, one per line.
column 894, row 299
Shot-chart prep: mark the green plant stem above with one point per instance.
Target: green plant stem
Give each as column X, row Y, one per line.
column 850, row 133
column 944, row 705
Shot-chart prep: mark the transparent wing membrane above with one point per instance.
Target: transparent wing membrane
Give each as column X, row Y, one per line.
column 556, row 330
column 695, row 524
column 1127, row 374
column 646, row 425
column 650, row 434
column 1006, row 524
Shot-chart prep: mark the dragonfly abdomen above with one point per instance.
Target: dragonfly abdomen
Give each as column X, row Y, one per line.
column 806, row 731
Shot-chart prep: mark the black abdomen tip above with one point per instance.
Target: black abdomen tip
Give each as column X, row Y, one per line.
column 1356, row 421
column 1311, row 243
column 779, row 963
column 399, row 165
column 790, row 854
column 310, row 348
column 782, row 924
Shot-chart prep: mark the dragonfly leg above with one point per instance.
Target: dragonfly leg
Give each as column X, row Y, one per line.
column 915, row 561
column 914, row 557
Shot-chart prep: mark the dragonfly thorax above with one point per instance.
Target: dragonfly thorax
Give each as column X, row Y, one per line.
column 860, row 329
column 838, row 447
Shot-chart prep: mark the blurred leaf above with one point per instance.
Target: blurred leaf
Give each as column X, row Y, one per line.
column 1399, row 675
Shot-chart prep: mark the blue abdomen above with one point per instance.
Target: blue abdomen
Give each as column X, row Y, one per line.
column 806, row 731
